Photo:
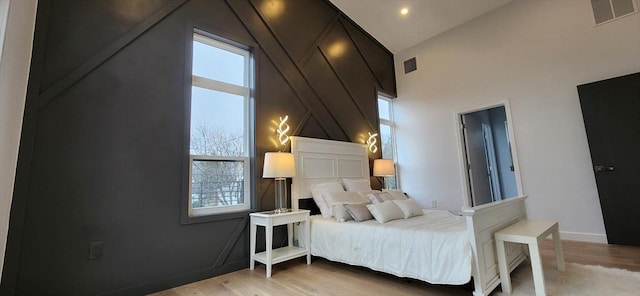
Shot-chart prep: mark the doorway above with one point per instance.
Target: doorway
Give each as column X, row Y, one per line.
column 488, row 157
column 610, row 112
column 492, row 163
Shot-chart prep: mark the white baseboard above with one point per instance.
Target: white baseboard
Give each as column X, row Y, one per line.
column 584, row 237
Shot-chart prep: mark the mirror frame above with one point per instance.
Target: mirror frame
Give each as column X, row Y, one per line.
column 464, row 174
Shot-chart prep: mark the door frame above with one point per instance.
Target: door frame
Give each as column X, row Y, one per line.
column 462, row 156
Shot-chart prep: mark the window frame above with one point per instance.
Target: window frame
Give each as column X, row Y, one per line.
column 634, row 3
column 391, row 124
column 189, row 213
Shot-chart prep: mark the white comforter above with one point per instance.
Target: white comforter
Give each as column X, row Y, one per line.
column 432, row 248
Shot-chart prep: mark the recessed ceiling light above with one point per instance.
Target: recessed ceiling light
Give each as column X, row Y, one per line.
column 404, row 11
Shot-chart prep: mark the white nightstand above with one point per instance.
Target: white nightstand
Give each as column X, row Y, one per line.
column 269, row 220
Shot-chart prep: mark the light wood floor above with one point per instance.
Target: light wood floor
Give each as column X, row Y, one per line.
column 323, row 277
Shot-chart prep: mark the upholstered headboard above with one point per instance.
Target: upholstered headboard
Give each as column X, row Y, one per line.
column 319, row 161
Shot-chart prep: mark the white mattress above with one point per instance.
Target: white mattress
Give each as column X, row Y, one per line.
column 433, row 248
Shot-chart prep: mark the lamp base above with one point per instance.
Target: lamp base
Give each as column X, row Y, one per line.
column 281, row 195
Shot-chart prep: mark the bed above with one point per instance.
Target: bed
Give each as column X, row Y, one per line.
column 437, row 247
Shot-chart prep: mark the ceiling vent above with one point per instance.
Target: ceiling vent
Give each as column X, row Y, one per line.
column 608, row 10
column 410, row 65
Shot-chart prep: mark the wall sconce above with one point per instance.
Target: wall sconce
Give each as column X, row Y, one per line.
column 371, row 142
column 282, row 130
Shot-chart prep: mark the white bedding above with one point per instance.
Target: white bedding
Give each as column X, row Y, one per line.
column 433, row 248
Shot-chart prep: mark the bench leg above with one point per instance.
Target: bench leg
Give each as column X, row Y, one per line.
column 558, row 248
column 505, row 278
column 536, row 268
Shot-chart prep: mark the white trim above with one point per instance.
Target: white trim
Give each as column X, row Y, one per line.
column 221, row 158
column 584, row 237
column 216, row 85
column 461, row 150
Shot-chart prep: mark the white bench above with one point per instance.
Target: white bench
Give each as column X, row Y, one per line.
column 530, row 232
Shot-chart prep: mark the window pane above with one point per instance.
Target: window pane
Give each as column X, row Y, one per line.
column 216, row 183
column 387, row 141
column 383, row 109
column 391, row 182
column 217, row 123
column 218, row 64
column 622, row 7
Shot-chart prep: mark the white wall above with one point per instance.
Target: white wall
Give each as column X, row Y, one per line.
column 14, row 72
column 533, row 53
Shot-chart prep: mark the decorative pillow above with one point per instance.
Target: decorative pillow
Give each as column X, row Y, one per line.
column 385, row 212
column 359, row 212
column 356, row 184
column 316, row 193
column 332, row 198
column 379, row 197
column 365, row 193
column 341, row 213
column 397, row 194
column 409, row 207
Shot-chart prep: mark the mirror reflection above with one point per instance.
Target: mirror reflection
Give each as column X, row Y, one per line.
column 490, row 170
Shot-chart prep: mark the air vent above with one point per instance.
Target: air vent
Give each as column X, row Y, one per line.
column 410, row 65
column 608, row 10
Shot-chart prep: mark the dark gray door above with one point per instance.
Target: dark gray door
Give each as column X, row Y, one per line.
column 611, row 112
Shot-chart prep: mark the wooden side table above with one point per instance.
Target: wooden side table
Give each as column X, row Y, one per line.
column 270, row 219
column 530, row 232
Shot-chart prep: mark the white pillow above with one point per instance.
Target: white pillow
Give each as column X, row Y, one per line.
column 397, row 194
column 378, row 197
column 356, row 184
column 341, row 213
column 316, row 193
column 385, row 212
column 359, row 212
column 409, row 207
column 333, row 198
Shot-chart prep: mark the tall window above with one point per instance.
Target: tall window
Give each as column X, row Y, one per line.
column 220, row 132
column 387, row 136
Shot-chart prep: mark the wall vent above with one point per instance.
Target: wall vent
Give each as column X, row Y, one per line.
column 410, row 65
column 608, row 10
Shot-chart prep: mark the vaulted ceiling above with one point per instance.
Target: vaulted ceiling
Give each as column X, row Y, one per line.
column 424, row 19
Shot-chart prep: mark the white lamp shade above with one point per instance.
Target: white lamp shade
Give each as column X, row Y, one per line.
column 383, row 167
column 278, row 165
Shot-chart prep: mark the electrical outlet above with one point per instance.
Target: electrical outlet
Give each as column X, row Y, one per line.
column 95, row 250
column 434, row 203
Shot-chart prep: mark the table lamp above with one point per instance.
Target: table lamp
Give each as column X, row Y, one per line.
column 279, row 165
column 384, row 168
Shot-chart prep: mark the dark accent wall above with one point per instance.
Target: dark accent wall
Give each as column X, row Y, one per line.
column 104, row 152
